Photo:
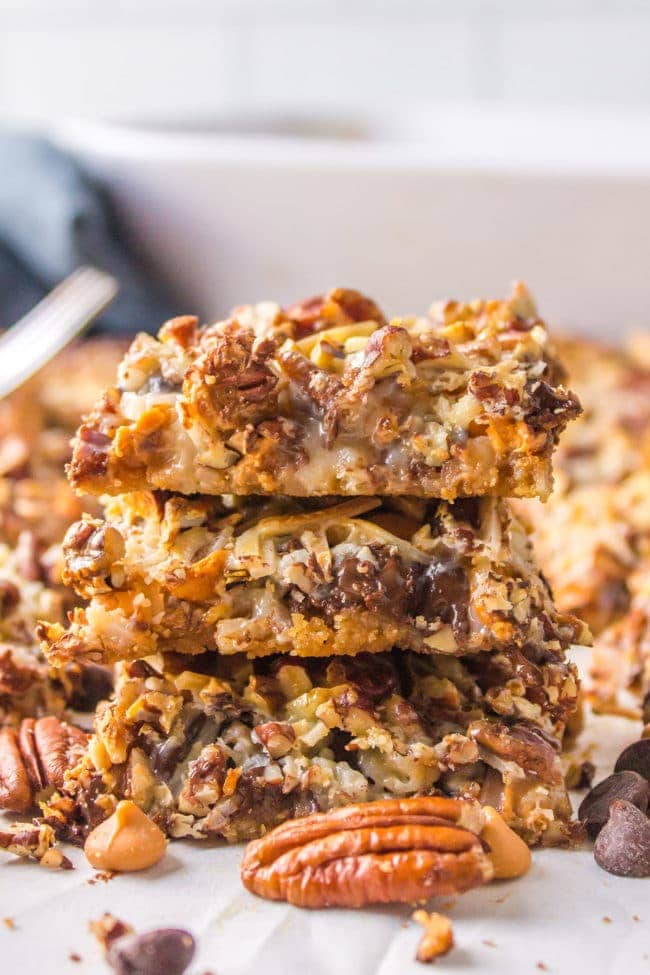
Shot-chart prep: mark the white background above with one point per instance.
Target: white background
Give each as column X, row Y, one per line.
column 184, row 58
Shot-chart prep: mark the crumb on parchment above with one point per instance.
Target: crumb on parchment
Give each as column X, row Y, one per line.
column 438, row 936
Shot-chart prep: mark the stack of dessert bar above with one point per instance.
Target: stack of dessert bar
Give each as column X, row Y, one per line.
column 593, row 535
column 308, row 575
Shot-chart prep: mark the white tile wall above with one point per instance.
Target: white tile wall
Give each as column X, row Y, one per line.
column 364, row 62
column 604, row 60
column 109, row 71
column 122, row 58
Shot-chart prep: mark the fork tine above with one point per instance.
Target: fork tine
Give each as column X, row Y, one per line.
column 83, row 294
column 51, row 325
column 78, row 291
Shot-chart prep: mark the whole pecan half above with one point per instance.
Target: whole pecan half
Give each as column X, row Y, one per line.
column 389, row 851
column 36, row 758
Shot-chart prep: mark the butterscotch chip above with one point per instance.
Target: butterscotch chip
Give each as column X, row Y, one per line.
column 438, row 937
column 125, row 842
column 508, row 853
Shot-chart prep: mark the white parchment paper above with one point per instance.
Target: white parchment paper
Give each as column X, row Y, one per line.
column 566, row 916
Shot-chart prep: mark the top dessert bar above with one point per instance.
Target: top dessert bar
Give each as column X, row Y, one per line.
column 329, row 398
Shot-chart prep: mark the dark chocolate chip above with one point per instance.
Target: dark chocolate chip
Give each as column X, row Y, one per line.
column 594, row 808
column 586, row 775
column 645, row 709
column 165, row 951
column 635, row 758
column 623, row 846
column 95, row 684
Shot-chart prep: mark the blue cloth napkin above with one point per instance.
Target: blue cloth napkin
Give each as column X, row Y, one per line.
column 53, row 218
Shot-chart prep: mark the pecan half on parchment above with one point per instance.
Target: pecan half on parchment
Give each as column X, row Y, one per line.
column 390, row 851
column 35, row 758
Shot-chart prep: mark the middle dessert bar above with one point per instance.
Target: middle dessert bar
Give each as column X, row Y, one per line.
column 169, row 573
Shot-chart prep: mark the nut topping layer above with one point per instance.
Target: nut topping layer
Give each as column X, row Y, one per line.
column 318, row 399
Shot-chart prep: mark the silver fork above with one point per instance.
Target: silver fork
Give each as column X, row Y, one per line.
column 52, row 324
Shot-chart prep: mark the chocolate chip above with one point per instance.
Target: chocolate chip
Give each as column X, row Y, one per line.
column 443, row 593
column 635, row 758
column 645, row 709
column 586, row 775
column 9, row 597
column 165, row 951
column 94, row 684
column 594, row 808
column 623, row 846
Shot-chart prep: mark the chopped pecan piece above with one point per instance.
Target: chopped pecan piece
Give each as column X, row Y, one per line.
column 33, row 841
column 390, row 851
column 91, row 548
column 107, row 929
column 518, row 744
column 240, row 387
column 276, row 737
column 339, row 306
column 438, row 937
column 36, row 758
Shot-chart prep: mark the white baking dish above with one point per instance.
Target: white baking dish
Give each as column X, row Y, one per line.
column 437, row 203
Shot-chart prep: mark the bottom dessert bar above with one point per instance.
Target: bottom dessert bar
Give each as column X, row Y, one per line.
column 233, row 747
